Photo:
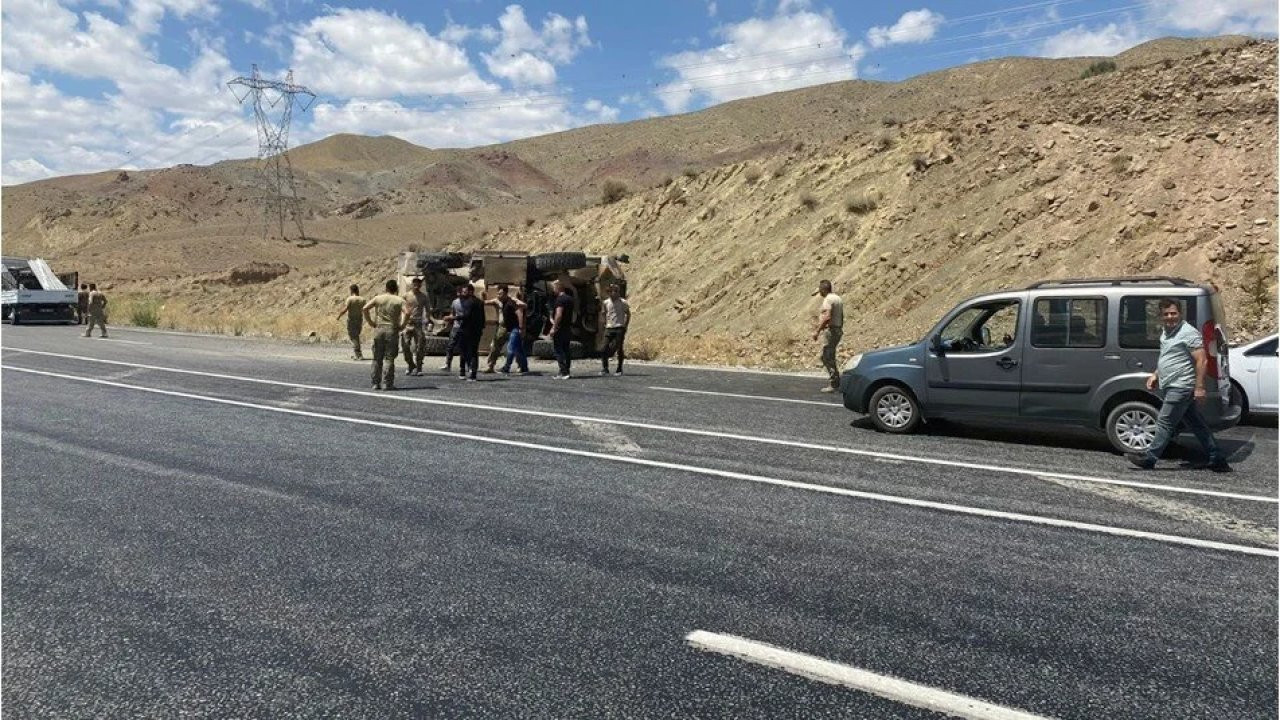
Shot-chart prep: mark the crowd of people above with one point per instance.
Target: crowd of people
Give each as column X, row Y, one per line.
column 402, row 324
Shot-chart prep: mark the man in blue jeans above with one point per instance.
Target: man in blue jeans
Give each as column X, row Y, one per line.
column 1180, row 373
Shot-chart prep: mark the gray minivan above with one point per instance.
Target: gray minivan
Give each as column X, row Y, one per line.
column 1058, row 351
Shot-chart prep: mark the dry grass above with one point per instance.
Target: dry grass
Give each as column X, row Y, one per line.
column 751, row 175
column 1120, row 162
column 612, row 191
column 862, row 203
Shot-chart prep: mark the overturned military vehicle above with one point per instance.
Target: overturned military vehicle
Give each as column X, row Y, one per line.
column 528, row 277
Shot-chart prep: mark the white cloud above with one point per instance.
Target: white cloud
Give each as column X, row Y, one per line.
column 1081, row 41
column 370, row 54
column 20, row 171
column 1255, row 17
column 794, row 48
column 913, row 27
column 605, row 113
column 453, row 126
column 712, row 9
column 525, row 56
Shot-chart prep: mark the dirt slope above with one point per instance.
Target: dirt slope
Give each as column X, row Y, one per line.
column 907, row 195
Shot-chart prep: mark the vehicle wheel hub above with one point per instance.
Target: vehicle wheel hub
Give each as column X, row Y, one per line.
column 894, row 410
column 1136, row 430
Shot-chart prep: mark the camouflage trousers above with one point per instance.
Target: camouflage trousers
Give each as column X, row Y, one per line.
column 385, row 347
column 829, row 363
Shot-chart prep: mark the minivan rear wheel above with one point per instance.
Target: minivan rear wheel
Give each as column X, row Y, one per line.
column 1131, row 426
column 894, row 410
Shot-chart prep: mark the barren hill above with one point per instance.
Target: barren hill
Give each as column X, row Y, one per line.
column 908, row 195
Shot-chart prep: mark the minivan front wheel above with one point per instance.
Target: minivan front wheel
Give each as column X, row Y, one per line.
column 1131, row 426
column 894, row 410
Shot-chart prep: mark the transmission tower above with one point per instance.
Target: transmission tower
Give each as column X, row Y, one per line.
column 273, row 102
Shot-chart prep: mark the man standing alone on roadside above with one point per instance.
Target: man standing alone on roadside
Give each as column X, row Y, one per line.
column 353, row 309
column 561, row 324
column 1180, row 374
column 82, row 304
column 831, row 321
column 389, row 308
column 617, row 316
column 414, row 342
column 97, row 311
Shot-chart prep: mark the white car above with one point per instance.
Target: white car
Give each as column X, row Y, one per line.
column 1253, row 375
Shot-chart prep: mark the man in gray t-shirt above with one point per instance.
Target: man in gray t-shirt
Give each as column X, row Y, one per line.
column 1180, row 375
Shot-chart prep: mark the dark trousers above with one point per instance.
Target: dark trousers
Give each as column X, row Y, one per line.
column 82, row 314
column 453, row 348
column 469, row 362
column 613, row 339
column 560, row 346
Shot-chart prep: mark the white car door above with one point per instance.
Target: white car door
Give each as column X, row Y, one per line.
column 1257, row 375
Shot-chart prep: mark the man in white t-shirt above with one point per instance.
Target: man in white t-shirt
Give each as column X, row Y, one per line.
column 617, row 316
column 830, row 321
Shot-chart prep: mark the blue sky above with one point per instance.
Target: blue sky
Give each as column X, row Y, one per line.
column 97, row 84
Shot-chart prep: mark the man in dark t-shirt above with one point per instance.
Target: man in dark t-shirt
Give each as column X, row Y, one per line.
column 561, row 322
column 468, row 316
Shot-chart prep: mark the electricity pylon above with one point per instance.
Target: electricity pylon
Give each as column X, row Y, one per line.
column 277, row 96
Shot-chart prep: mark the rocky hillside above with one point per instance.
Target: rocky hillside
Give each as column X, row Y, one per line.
column 909, row 196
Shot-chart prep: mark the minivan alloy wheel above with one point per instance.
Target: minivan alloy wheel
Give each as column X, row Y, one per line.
column 1136, row 429
column 895, row 410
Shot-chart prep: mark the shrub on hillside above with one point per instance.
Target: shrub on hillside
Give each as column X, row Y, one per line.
column 861, row 204
column 1120, row 163
column 752, row 175
column 612, row 192
column 690, row 172
column 1099, row 68
column 884, row 141
column 808, row 201
column 891, row 121
column 920, row 162
column 145, row 313
column 528, row 222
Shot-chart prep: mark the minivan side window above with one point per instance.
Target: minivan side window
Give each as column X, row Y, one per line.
column 1140, row 323
column 1069, row 323
column 989, row 327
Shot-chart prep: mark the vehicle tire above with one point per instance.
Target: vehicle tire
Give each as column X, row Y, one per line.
column 435, row 345
column 1131, row 426
column 1237, row 392
column 443, row 260
column 543, row 350
column 577, row 350
column 894, row 410
column 16, row 319
column 553, row 262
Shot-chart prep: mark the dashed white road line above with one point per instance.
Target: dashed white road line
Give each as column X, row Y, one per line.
column 747, row 397
column 885, row 686
column 875, row 454
column 694, row 469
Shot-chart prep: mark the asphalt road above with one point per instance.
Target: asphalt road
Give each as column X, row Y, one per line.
column 217, row 527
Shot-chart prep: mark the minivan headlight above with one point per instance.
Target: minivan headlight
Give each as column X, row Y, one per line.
column 853, row 362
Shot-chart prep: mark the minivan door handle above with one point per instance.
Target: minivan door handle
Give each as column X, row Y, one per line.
column 1111, row 356
column 1006, row 362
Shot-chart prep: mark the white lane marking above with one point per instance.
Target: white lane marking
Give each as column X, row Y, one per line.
column 747, row 397
column 608, row 435
column 127, row 342
column 125, row 374
column 732, row 475
column 1186, row 512
column 885, row 686
column 1028, row 472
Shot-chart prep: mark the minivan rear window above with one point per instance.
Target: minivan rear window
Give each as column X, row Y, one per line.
column 1140, row 324
column 1069, row 323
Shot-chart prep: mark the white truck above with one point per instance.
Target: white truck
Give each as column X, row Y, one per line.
column 32, row 293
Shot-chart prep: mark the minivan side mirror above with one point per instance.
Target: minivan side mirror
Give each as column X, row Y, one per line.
column 935, row 344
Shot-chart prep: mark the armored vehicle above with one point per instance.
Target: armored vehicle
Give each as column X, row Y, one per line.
column 527, row 277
